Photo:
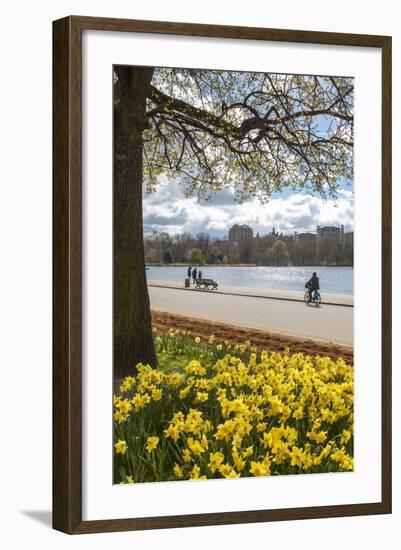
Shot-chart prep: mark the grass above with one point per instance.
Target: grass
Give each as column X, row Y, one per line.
column 170, row 362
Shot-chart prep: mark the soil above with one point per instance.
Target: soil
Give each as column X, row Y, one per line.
column 261, row 339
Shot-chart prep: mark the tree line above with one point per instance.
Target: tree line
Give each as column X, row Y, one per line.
column 268, row 250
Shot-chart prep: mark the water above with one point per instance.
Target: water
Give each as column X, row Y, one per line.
column 332, row 279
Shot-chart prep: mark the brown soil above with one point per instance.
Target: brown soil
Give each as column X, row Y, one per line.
column 261, row 339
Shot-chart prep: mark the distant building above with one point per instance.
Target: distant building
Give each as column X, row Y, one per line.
column 330, row 231
column 306, row 237
column 349, row 237
column 240, row 233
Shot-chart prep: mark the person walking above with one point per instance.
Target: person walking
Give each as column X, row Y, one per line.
column 194, row 273
column 189, row 272
column 200, row 274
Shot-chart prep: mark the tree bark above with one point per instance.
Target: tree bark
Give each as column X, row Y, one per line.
column 132, row 328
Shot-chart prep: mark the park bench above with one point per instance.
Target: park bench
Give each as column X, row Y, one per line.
column 206, row 284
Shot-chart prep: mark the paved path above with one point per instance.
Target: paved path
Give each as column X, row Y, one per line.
column 329, row 323
column 278, row 294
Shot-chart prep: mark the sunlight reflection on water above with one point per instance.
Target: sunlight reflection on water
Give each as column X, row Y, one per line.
column 332, row 279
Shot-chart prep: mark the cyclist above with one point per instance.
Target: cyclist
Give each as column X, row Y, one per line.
column 312, row 285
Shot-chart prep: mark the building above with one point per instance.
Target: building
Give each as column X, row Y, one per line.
column 330, row 231
column 306, row 237
column 349, row 238
column 240, row 233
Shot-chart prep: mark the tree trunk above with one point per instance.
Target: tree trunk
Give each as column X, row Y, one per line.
column 132, row 328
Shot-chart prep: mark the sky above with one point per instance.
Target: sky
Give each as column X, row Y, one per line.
column 169, row 210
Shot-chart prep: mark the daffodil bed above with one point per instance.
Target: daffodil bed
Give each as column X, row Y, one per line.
column 227, row 412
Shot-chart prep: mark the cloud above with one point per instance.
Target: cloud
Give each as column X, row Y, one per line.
column 163, row 218
column 169, row 210
column 224, row 197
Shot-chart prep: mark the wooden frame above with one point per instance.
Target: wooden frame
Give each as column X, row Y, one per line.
column 67, row 295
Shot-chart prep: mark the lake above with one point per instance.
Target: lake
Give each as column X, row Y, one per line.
column 332, row 279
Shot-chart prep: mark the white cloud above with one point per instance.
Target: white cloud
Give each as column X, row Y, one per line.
column 169, row 210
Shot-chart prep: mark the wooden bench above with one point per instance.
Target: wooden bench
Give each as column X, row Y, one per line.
column 206, row 284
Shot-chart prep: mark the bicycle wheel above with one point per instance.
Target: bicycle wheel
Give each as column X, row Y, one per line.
column 306, row 297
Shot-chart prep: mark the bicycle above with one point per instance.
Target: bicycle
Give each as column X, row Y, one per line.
column 316, row 298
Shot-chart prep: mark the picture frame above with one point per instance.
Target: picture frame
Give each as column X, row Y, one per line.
column 68, row 222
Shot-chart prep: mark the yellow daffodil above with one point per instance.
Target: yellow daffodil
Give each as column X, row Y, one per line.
column 152, row 443
column 215, row 461
column 121, row 446
column 250, row 412
column 120, row 417
column 298, row 413
column 178, row 472
column 202, row 396
column 345, row 436
column 186, row 455
column 259, row 469
column 195, row 473
column 173, row 432
column 157, row 394
column 228, row 471
column 185, row 392
column 195, row 446
column 124, row 406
